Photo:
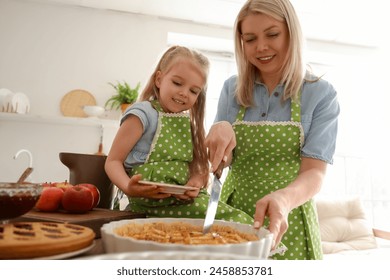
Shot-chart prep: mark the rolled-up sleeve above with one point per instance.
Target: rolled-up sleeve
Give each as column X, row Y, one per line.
column 320, row 121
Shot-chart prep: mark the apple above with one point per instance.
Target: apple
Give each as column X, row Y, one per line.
column 50, row 199
column 95, row 192
column 63, row 185
column 77, row 199
column 48, row 184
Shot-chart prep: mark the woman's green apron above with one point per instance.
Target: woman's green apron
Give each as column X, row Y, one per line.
column 267, row 158
column 168, row 162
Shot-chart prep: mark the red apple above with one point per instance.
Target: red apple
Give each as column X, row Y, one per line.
column 50, row 199
column 48, row 184
column 95, row 192
column 77, row 199
column 63, row 185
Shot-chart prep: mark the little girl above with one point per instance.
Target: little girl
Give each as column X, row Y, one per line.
column 161, row 139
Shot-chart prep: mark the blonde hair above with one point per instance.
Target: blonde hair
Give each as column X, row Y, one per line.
column 294, row 69
column 197, row 113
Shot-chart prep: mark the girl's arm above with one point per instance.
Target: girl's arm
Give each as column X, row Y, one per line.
column 127, row 136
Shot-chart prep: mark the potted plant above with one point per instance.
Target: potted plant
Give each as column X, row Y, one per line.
column 125, row 95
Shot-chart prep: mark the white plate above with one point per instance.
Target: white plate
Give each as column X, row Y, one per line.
column 68, row 255
column 4, row 93
column 20, row 103
column 170, row 188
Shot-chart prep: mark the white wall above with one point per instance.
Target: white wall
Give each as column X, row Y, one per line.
column 47, row 50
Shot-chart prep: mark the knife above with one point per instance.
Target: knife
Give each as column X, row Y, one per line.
column 214, row 198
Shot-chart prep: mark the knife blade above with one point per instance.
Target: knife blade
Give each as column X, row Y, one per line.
column 213, row 200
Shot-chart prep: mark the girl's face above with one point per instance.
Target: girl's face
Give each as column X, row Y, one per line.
column 180, row 86
column 265, row 41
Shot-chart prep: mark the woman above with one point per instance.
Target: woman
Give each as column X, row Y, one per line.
column 281, row 122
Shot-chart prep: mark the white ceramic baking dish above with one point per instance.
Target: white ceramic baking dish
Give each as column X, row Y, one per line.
column 114, row 243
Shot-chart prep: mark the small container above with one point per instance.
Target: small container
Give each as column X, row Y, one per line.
column 93, row 111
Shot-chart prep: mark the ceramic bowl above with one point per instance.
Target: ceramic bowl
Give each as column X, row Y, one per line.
column 93, row 111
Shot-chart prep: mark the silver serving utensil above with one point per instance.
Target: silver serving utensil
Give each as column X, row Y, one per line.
column 213, row 200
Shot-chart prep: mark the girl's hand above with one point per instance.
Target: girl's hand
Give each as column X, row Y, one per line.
column 134, row 189
column 220, row 142
column 195, row 181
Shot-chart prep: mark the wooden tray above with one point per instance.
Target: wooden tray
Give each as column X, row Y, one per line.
column 93, row 219
column 72, row 103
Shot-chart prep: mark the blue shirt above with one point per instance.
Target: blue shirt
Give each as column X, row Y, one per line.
column 319, row 113
column 149, row 119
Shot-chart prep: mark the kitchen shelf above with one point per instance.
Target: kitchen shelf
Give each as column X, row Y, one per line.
column 91, row 121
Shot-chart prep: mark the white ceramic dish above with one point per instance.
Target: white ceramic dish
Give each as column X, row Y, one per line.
column 16, row 103
column 171, row 255
column 114, row 243
column 4, row 93
column 93, row 111
column 170, row 188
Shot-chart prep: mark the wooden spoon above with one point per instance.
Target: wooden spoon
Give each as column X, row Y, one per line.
column 25, row 174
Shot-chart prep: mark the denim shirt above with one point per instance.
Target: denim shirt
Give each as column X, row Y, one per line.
column 319, row 113
column 149, row 118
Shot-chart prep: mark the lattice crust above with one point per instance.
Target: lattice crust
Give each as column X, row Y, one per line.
column 184, row 233
column 39, row 239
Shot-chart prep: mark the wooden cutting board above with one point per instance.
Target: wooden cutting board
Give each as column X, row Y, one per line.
column 93, row 219
column 72, row 103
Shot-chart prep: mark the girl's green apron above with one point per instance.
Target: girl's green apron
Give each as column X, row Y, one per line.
column 267, row 158
column 168, row 162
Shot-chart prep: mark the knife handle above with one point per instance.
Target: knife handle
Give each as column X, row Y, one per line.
column 218, row 172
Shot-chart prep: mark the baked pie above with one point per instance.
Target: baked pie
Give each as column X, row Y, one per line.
column 184, row 233
column 23, row 240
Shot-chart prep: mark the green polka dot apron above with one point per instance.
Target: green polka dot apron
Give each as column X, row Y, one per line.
column 168, row 162
column 267, row 158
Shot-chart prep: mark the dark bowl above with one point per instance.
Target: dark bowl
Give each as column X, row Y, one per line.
column 17, row 199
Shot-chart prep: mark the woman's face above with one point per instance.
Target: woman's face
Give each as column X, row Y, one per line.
column 265, row 41
column 180, row 86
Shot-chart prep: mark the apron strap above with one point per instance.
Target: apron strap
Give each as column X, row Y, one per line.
column 156, row 105
column 295, row 112
column 241, row 113
column 296, row 109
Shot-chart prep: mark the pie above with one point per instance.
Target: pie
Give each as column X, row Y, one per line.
column 24, row 240
column 184, row 233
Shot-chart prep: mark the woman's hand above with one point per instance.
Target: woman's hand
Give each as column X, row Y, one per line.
column 134, row 189
column 276, row 207
column 220, row 142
